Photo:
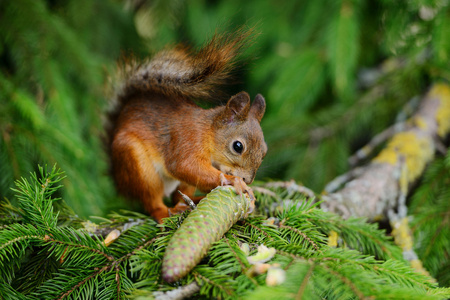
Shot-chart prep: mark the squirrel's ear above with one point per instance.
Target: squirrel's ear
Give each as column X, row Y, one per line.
column 258, row 107
column 238, row 107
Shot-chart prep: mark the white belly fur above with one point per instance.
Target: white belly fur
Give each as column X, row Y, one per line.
column 170, row 183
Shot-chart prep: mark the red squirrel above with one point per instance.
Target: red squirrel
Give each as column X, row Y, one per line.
column 161, row 141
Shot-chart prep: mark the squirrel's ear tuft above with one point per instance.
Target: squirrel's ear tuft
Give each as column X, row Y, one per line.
column 238, row 107
column 258, row 107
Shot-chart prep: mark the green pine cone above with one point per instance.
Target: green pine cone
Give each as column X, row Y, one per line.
column 212, row 218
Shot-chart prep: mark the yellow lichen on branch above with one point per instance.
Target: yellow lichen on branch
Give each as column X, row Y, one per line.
column 333, row 239
column 414, row 149
column 403, row 237
column 380, row 188
column 382, row 185
column 402, row 234
column 442, row 91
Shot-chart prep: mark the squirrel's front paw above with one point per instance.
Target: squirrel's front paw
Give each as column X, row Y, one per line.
column 240, row 186
column 224, row 180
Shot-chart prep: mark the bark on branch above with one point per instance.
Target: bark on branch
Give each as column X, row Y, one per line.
column 380, row 188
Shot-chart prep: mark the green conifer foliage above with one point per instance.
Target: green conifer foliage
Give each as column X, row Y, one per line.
column 53, row 57
column 42, row 257
column 430, row 209
column 334, row 73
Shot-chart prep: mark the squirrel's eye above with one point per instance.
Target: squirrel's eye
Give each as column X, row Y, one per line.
column 238, row 147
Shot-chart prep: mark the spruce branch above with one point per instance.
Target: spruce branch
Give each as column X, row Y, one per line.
column 7, row 292
column 70, row 248
column 8, row 213
column 86, row 267
column 346, row 281
column 243, row 267
column 358, row 234
column 299, row 232
column 431, row 210
column 257, row 229
column 35, row 202
column 212, row 283
column 82, row 282
column 301, row 291
column 78, row 240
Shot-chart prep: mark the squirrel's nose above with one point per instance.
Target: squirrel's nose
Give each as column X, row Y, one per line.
column 248, row 180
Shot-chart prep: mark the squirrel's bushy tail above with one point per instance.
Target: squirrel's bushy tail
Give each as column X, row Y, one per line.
column 177, row 73
column 183, row 72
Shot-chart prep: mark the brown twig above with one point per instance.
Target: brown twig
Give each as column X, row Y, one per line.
column 84, row 281
column 291, row 186
column 346, row 281
column 305, row 281
column 128, row 255
column 108, row 257
column 299, row 232
column 198, row 275
column 257, row 228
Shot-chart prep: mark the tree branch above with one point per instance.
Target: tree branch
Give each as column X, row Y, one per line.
column 381, row 186
column 182, row 292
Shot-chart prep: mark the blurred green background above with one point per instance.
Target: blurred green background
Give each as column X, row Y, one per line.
column 334, row 73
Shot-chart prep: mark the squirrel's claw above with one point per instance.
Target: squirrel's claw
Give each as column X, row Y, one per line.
column 223, row 180
column 241, row 187
column 178, row 209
